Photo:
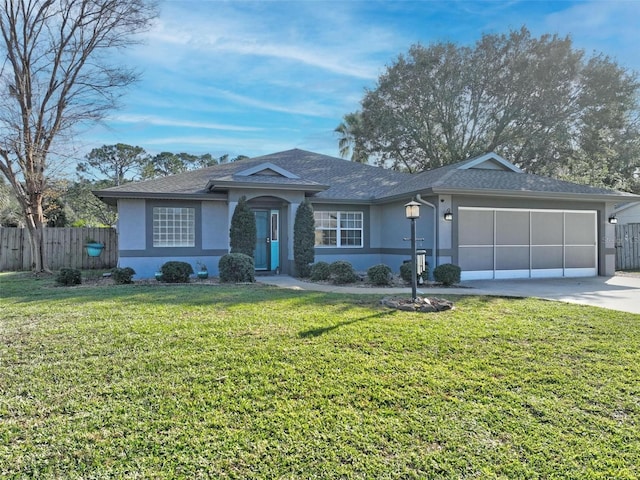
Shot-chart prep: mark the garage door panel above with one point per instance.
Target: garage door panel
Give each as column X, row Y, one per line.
column 476, row 258
column 580, row 257
column 512, row 258
column 547, row 257
column 579, row 228
column 547, row 228
column 475, row 227
column 512, row 228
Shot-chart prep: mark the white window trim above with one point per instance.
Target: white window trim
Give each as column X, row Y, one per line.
column 338, row 228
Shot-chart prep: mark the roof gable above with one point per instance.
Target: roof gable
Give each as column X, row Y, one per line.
column 489, row 161
column 267, row 169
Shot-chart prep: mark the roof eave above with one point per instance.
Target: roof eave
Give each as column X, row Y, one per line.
column 111, row 198
column 584, row 197
column 226, row 185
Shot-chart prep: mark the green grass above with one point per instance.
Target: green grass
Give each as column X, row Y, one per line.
column 205, row 381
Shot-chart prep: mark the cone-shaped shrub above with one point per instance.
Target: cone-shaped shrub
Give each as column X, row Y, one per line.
column 304, row 233
column 243, row 233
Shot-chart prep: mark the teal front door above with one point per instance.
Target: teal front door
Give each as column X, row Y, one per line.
column 262, row 253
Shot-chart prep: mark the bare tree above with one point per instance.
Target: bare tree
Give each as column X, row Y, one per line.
column 57, row 73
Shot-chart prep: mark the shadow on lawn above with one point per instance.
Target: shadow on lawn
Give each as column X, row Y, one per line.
column 316, row 332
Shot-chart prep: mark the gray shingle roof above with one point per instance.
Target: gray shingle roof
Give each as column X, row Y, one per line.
column 336, row 179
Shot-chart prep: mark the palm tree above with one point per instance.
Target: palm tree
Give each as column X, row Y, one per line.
column 349, row 142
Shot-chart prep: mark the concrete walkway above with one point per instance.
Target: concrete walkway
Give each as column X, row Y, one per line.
column 621, row 292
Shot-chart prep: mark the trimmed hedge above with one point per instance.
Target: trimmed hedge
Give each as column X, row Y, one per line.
column 122, row 276
column 176, row 272
column 237, row 268
column 304, row 237
column 342, row 272
column 379, row 274
column 320, row 271
column 405, row 272
column 69, row 276
column 447, row 274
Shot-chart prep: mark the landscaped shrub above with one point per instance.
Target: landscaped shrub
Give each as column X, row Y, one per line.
column 447, row 274
column 69, row 276
column 304, row 231
column 406, row 272
column 320, row 271
column 243, row 233
column 176, row 272
column 122, row 276
column 236, row 268
column 342, row 272
column 379, row 274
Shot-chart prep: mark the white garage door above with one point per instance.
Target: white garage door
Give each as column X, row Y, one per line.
column 519, row 243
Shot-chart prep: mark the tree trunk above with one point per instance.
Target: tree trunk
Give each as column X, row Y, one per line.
column 36, row 226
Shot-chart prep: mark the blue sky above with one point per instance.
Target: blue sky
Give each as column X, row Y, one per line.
column 252, row 78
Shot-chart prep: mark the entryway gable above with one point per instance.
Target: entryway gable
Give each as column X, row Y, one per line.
column 269, row 169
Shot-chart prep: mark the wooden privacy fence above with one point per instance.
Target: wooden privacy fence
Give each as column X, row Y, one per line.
column 628, row 247
column 65, row 247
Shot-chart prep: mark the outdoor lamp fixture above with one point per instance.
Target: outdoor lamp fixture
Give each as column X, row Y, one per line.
column 448, row 216
column 613, row 220
column 412, row 211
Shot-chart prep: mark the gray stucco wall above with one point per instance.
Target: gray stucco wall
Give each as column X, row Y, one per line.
column 135, row 236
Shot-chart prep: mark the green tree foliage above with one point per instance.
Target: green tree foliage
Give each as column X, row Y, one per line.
column 304, row 239
column 167, row 163
column 539, row 102
column 350, row 142
column 243, row 233
column 119, row 163
column 87, row 210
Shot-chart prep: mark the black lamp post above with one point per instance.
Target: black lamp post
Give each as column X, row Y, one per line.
column 412, row 211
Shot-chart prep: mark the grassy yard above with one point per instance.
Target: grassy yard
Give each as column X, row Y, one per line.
column 206, row 381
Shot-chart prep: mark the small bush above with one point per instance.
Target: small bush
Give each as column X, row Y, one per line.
column 379, row 274
column 405, row 272
column 176, row 272
column 447, row 274
column 342, row 272
column 123, row 276
column 320, row 271
column 69, row 276
column 237, row 268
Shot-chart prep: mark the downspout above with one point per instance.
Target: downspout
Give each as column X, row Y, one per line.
column 434, row 245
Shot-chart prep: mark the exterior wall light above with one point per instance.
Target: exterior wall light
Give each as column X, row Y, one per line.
column 448, row 216
column 613, row 220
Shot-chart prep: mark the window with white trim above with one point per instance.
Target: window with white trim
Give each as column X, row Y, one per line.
column 174, row 227
column 338, row 229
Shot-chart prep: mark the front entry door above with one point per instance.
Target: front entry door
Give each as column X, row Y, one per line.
column 262, row 253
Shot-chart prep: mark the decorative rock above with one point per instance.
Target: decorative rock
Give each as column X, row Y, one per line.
column 426, row 305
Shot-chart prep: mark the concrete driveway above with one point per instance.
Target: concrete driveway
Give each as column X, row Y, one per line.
column 621, row 292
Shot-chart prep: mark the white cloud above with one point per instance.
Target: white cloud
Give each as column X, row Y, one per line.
column 167, row 122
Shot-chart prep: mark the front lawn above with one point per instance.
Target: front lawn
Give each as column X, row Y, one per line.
column 209, row 381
